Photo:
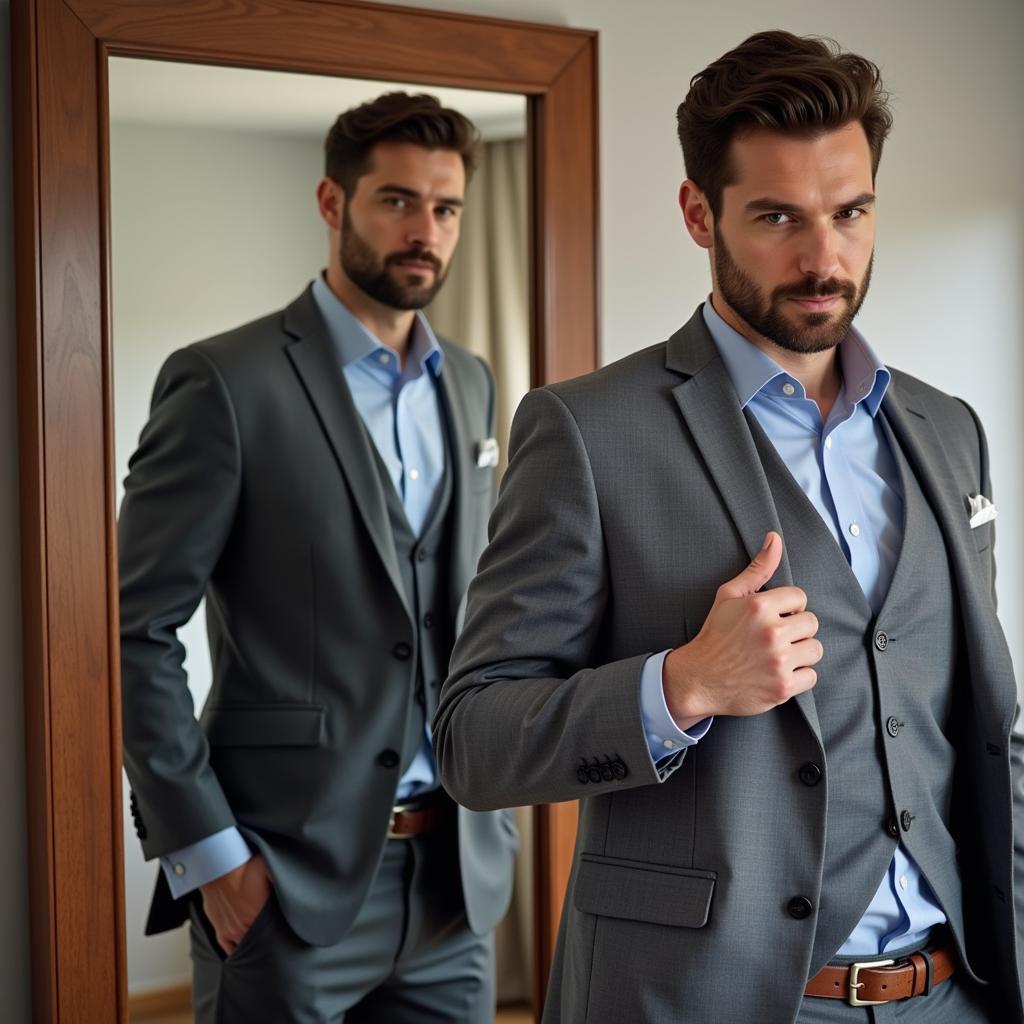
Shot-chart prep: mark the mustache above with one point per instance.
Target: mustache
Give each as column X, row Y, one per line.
column 422, row 255
column 816, row 289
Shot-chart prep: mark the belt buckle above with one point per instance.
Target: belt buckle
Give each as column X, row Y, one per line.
column 855, row 983
column 398, row 809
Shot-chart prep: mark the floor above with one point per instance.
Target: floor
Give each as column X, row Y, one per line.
column 506, row 1015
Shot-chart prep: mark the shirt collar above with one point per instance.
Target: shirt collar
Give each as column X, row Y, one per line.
column 865, row 377
column 353, row 342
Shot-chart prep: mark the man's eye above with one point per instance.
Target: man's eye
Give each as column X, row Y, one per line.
column 396, row 202
column 777, row 218
column 445, row 211
column 854, row 213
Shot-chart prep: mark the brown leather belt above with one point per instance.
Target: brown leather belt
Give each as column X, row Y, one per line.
column 871, row 982
column 418, row 817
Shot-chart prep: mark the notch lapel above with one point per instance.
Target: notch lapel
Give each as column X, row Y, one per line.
column 317, row 366
column 707, row 400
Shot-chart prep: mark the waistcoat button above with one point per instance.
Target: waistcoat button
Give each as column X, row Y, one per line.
column 893, row 726
column 388, row 758
column 401, row 651
column 881, row 640
column 892, row 827
column 905, row 819
column 810, row 774
column 422, row 555
column 800, row 907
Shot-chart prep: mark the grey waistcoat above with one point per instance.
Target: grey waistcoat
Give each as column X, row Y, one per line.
column 425, row 562
column 884, row 694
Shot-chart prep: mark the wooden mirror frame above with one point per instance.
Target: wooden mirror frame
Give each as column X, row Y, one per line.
column 62, row 248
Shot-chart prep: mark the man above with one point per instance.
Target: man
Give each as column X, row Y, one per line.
column 323, row 476
column 739, row 599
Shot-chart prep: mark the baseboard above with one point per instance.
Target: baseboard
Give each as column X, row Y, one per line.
column 161, row 1000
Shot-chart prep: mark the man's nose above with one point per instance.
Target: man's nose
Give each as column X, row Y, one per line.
column 820, row 255
column 422, row 230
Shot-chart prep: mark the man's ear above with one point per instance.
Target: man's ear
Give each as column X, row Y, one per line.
column 330, row 200
column 697, row 215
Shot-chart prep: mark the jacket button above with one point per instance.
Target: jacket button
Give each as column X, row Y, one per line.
column 800, row 907
column 606, row 772
column 428, row 620
column 892, row 827
column 881, row 640
column 594, row 773
column 892, row 726
column 388, row 758
column 905, row 819
column 582, row 775
column 810, row 774
column 619, row 769
column 401, row 651
column 422, row 555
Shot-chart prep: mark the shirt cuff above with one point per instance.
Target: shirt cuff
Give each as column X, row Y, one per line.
column 664, row 737
column 202, row 862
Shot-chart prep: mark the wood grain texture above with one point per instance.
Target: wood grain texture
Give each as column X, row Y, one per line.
column 61, row 205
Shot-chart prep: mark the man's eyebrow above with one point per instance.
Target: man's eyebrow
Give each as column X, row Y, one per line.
column 769, row 205
column 411, row 193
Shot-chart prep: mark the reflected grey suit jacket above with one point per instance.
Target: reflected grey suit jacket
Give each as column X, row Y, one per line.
column 255, row 484
column 631, row 495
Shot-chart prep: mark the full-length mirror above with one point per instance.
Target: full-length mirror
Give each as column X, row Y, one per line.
column 75, row 325
column 214, row 223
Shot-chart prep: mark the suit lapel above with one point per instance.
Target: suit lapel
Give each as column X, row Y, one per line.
column 314, row 359
column 707, row 400
column 913, row 427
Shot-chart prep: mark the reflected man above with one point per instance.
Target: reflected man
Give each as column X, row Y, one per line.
column 739, row 599
column 323, row 476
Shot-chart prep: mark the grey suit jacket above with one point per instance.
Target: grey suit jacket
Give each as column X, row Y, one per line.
column 254, row 483
column 631, row 495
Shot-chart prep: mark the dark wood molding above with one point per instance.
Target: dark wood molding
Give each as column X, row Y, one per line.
column 61, row 180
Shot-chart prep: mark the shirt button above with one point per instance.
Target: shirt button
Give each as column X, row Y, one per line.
column 414, row 474
column 179, row 869
column 828, row 441
column 903, row 882
column 382, row 357
column 855, row 529
column 788, row 389
column 669, row 744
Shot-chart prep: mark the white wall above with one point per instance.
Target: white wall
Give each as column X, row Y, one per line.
column 185, row 203
column 14, row 964
column 947, row 285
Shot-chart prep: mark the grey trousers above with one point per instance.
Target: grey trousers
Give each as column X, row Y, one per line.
column 409, row 957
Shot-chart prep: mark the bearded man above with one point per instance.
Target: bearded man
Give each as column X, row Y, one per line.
column 323, row 476
column 738, row 600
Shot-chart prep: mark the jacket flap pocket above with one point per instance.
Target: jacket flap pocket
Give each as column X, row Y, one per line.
column 264, row 725
column 638, row 891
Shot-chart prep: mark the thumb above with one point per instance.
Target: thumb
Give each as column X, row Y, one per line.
column 758, row 573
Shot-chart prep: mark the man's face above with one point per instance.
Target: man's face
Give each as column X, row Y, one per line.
column 400, row 226
column 794, row 239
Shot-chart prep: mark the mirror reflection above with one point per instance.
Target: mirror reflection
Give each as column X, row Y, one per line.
column 217, row 221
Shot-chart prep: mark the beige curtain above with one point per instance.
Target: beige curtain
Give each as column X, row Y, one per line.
column 485, row 307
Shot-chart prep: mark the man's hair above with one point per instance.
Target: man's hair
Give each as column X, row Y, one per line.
column 396, row 117
column 803, row 86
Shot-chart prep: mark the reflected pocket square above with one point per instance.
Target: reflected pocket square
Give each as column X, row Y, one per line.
column 487, row 452
column 981, row 509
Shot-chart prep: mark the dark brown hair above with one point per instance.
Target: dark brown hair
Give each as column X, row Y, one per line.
column 396, row 117
column 797, row 85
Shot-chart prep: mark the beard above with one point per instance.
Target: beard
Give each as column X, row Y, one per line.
column 806, row 332
column 379, row 277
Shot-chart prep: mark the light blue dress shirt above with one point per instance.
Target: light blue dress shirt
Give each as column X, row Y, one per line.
column 847, row 470
column 400, row 409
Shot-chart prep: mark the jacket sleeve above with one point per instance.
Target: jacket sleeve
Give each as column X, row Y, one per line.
column 529, row 714
column 180, row 499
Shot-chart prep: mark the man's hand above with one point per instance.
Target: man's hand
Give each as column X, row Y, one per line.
column 753, row 652
column 232, row 901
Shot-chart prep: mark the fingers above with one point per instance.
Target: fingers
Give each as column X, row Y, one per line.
column 758, row 573
column 805, row 653
column 797, row 626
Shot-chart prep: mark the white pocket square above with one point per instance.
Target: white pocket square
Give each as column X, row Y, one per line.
column 487, row 453
column 982, row 510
